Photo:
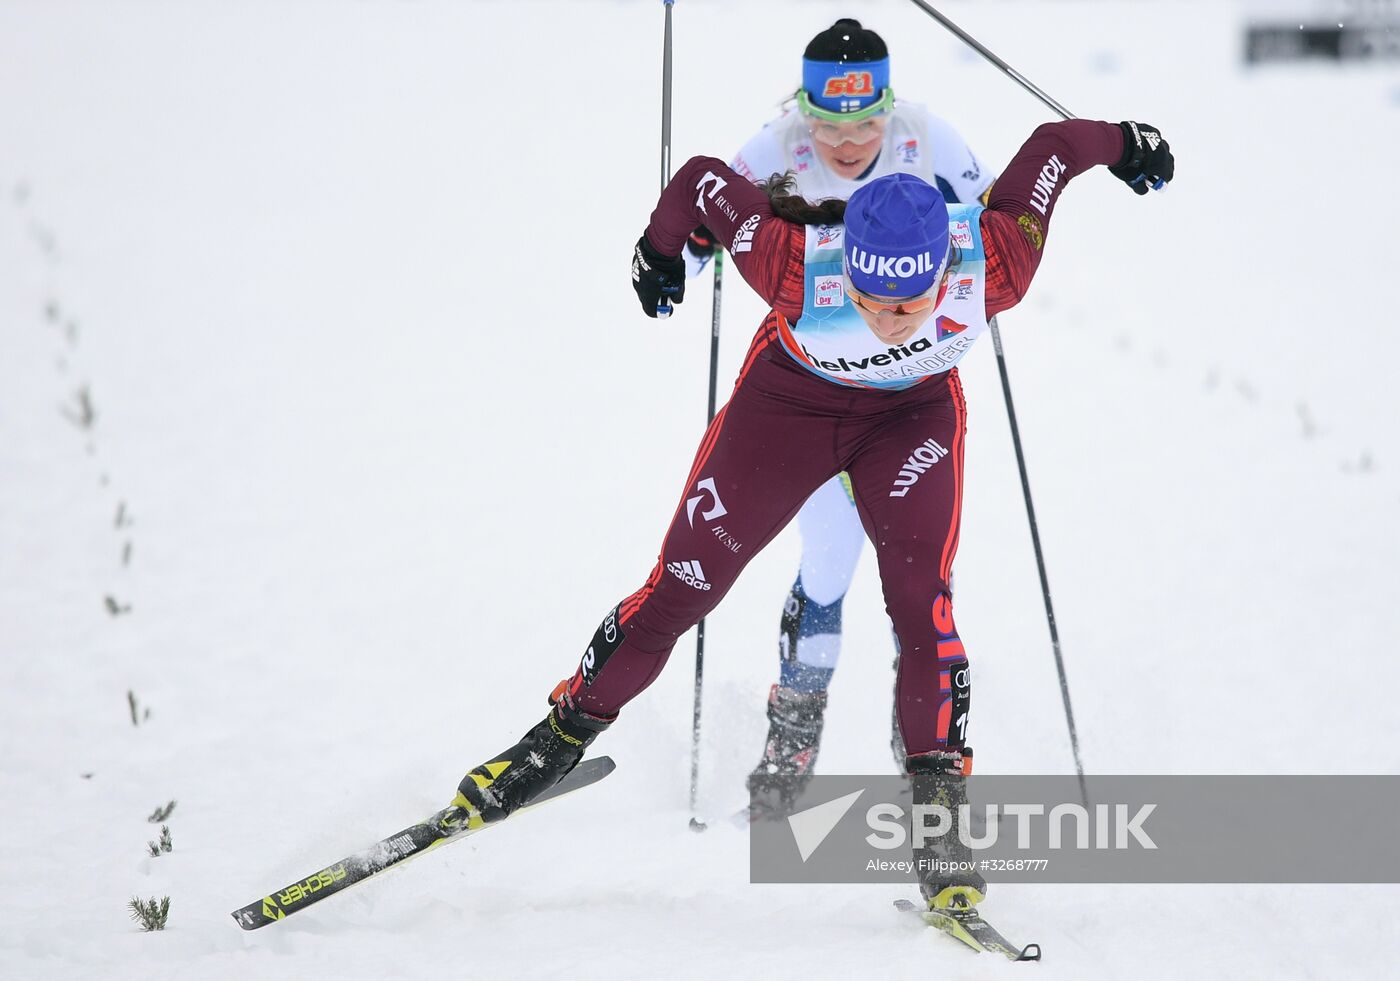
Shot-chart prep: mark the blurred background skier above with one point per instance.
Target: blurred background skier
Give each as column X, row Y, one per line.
column 842, row 129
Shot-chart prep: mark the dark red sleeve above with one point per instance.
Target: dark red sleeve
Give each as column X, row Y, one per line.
column 1017, row 219
column 766, row 249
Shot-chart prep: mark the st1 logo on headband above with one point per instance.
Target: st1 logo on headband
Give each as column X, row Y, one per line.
column 849, row 84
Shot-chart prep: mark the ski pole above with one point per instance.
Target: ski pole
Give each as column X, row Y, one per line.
column 695, row 823
column 1011, row 413
column 714, row 331
column 664, row 309
column 663, row 306
column 981, row 49
column 1040, row 563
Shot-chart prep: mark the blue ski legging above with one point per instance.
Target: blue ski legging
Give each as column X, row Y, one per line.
column 783, row 434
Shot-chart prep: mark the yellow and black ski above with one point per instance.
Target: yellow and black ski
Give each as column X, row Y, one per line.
column 966, row 924
column 448, row 824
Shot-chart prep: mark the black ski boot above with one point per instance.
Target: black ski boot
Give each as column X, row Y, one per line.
column 795, row 721
column 495, row 789
column 947, row 868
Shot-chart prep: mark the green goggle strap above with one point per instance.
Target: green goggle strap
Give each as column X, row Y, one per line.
column 809, row 108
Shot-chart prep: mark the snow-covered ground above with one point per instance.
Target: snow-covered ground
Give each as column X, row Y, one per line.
column 290, row 251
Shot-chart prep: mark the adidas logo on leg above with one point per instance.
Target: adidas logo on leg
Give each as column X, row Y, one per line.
column 689, row 573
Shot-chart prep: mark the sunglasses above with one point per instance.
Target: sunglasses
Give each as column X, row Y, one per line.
column 917, row 304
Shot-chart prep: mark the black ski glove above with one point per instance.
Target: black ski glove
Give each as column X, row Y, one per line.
column 656, row 279
column 702, row 243
column 1147, row 159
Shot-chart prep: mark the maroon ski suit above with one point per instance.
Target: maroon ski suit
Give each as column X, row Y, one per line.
column 785, row 431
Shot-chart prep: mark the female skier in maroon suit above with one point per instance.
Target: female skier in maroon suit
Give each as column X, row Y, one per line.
column 854, row 369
